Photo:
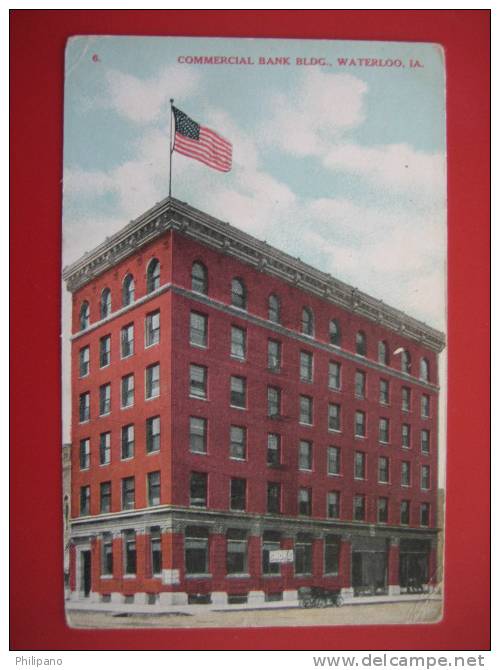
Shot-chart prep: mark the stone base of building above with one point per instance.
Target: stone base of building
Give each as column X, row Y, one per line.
column 394, row 590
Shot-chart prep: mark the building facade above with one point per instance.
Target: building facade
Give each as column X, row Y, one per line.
column 229, row 401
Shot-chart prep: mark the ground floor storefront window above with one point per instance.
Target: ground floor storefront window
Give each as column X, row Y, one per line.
column 369, row 566
column 414, row 565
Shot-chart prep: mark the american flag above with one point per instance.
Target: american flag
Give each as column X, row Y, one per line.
column 201, row 143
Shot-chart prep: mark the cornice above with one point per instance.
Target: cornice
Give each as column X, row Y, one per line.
column 172, row 214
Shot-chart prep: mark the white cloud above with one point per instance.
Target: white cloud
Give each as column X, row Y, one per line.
column 303, row 122
column 144, row 100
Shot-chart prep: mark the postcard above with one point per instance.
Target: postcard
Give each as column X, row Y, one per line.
column 254, row 347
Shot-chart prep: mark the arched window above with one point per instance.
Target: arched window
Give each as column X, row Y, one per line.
column 199, row 279
column 105, row 303
column 153, row 275
column 361, row 343
column 128, row 292
column 335, row 333
column 383, row 353
column 424, row 369
column 238, row 294
column 405, row 361
column 274, row 309
column 307, row 321
column 84, row 315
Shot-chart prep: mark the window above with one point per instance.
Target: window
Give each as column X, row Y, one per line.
column 334, row 417
column 128, row 290
column 107, row 554
column 405, row 436
column 405, row 399
column 383, row 430
column 105, row 497
column 332, row 555
column 84, row 454
column 84, row 500
column 383, row 470
column 405, row 473
column 153, row 488
column 196, row 550
column 128, row 440
column 307, row 323
column 198, row 329
column 404, row 512
column 128, row 391
column 382, row 510
column 335, row 333
column 360, row 424
column 238, row 494
column 333, row 504
column 273, row 355
column 334, row 375
column 238, row 445
column 359, row 465
column 306, row 366
column 153, row 381
column 155, row 547
column 152, row 434
column 405, row 361
column 360, row 384
column 197, row 381
column 425, row 403
column 128, row 493
column 105, row 303
column 153, row 275
column 84, row 407
column 273, row 401
column 238, row 342
column 303, row 554
column 383, row 353
column 359, row 508
column 236, row 553
column 152, row 328
column 274, row 309
column 333, row 460
column 273, row 497
column 425, row 441
column 424, row 514
column 271, row 541
column 84, row 316
column 105, row 351
column 384, row 392
column 104, row 448
column 127, row 340
column 199, row 278
column 129, row 552
column 424, row 369
column 198, row 489
column 238, row 294
column 197, row 435
column 273, row 449
column 306, row 410
column 361, row 343
column 425, row 478
column 238, row 392
column 84, row 361
column 305, row 455
column 105, row 399
column 305, row 502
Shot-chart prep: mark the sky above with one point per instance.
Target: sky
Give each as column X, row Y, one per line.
column 343, row 166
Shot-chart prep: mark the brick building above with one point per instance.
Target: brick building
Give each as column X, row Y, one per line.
column 229, row 401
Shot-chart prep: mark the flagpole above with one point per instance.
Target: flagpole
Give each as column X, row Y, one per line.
column 171, row 150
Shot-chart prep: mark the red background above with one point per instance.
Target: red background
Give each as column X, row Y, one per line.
column 37, row 56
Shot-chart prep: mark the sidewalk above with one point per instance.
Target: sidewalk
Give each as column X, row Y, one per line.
column 120, row 609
